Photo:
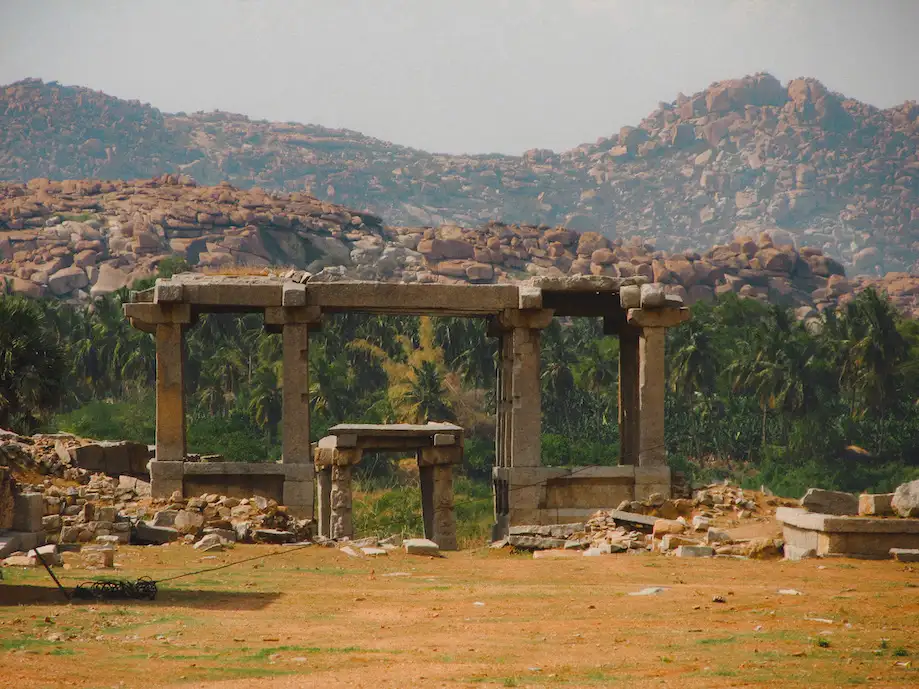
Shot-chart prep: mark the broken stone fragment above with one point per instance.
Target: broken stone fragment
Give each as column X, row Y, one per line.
column 905, row 500
column 420, row 546
column 830, row 502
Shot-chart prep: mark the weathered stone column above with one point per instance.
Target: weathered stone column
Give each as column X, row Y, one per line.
column 324, row 481
column 295, row 424
column 629, row 399
column 340, row 502
column 426, row 485
column 444, row 514
column 435, row 468
column 651, row 389
column 170, row 392
column 525, row 416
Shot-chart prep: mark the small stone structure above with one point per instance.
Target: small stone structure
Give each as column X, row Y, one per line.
column 862, row 537
column 438, row 446
column 633, row 309
column 288, row 484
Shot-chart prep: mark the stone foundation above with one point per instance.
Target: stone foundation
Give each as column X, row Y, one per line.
column 288, row 484
column 860, row 537
column 555, row 495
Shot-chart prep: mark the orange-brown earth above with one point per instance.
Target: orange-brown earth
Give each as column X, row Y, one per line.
column 476, row 618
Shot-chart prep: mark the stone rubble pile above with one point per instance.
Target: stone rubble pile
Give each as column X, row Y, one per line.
column 681, row 527
column 120, row 511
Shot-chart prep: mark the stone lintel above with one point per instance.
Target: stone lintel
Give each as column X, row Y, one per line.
column 158, row 314
column 395, row 298
column 292, row 315
column 531, row 319
column 233, row 293
column 658, row 318
column 813, row 521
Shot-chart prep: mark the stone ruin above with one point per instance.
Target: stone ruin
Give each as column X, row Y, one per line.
column 633, row 309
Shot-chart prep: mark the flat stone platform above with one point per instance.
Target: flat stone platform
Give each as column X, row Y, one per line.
column 860, row 537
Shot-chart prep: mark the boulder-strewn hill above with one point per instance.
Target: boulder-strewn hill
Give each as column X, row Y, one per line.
column 742, row 156
column 77, row 239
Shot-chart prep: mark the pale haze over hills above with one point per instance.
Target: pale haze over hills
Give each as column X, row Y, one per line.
column 477, row 76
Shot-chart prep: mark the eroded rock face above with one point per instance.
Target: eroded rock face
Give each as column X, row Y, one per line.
column 741, row 156
column 128, row 228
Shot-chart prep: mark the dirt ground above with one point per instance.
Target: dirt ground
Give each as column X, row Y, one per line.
column 481, row 618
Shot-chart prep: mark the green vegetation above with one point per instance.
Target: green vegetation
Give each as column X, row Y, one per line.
column 754, row 395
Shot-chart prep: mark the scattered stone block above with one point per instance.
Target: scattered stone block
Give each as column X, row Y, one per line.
column 673, row 541
column 905, row 500
column 875, row 505
column 146, row 533
column 272, row 536
column 21, row 560
column 830, row 502
column 716, row 536
column 28, row 512
column 905, row 554
column 420, row 546
column 667, row 526
column 188, row 522
column 49, row 553
column 700, row 523
column 795, row 553
column 555, row 554
column 209, row 542
column 535, row 542
column 694, row 551
column 98, row 557
column 371, row 551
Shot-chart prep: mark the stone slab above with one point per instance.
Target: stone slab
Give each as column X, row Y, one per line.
column 147, row 533
column 28, row 512
column 524, row 542
column 835, row 524
column 399, row 430
column 830, row 502
column 905, row 554
column 694, row 551
column 420, row 546
column 409, row 299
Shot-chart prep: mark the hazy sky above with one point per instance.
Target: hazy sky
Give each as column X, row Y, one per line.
column 460, row 76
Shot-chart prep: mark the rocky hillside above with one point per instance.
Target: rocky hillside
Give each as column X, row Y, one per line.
column 78, row 239
column 738, row 158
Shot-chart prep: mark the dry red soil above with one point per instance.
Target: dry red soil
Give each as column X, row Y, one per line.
column 317, row 618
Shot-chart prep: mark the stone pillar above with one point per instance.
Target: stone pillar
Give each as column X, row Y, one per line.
column 526, row 418
column 295, row 424
column 170, row 392
column 629, row 400
column 324, row 476
column 340, row 501
column 426, row 484
column 444, row 516
column 435, row 468
column 651, row 392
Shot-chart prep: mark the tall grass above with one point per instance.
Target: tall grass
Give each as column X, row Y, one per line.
column 387, row 505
